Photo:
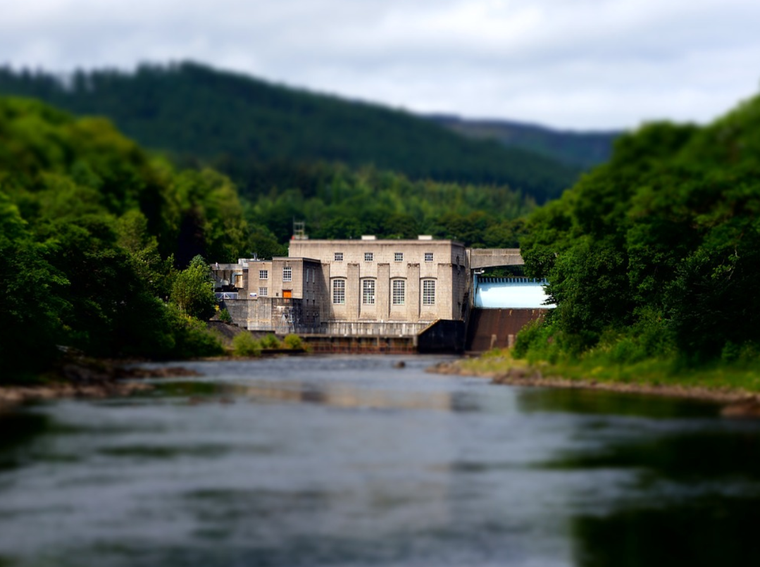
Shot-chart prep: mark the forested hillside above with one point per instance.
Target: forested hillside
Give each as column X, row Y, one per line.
column 258, row 133
column 580, row 149
column 656, row 254
column 97, row 242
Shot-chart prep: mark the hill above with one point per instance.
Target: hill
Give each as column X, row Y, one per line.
column 252, row 129
column 579, row 149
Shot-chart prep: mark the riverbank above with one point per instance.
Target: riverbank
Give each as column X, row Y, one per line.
column 81, row 377
column 728, row 388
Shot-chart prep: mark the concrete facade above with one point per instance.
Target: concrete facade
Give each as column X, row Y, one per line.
column 354, row 287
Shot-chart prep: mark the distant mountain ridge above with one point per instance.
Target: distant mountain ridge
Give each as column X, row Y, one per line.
column 240, row 124
column 581, row 149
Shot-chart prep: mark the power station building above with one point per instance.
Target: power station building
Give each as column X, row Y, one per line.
column 382, row 295
column 350, row 287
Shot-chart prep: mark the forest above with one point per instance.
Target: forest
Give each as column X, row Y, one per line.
column 258, row 133
column 656, row 254
column 102, row 245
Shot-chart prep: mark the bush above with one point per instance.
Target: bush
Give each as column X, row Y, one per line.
column 192, row 338
column 225, row 317
column 271, row 342
column 294, row 342
column 245, row 345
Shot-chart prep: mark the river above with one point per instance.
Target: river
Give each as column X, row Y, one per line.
column 348, row 461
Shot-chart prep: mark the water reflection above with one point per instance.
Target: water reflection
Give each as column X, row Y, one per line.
column 347, row 461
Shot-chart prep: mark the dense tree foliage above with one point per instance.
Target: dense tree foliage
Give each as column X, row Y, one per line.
column 337, row 202
column 657, row 254
column 259, row 133
column 90, row 233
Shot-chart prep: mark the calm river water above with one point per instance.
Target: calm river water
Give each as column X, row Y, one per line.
column 347, row 461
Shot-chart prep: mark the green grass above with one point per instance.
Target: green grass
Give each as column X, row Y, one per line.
column 718, row 375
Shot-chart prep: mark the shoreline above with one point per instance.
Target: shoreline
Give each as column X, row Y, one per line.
column 87, row 378
column 735, row 403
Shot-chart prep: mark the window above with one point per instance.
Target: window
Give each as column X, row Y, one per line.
column 428, row 292
column 287, row 274
column 399, row 291
column 263, row 274
column 428, row 256
column 369, row 256
column 339, row 291
column 368, row 292
column 339, row 256
column 263, row 292
column 398, row 256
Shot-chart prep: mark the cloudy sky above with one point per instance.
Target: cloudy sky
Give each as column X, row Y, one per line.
column 581, row 64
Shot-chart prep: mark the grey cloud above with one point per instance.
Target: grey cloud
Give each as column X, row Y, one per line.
column 581, row 63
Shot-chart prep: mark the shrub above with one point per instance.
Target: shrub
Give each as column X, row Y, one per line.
column 225, row 317
column 245, row 345
column 192, row 338
column 270, row 341
column 293, row 342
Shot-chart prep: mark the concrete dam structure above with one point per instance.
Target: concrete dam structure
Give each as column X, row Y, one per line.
column 373, row 295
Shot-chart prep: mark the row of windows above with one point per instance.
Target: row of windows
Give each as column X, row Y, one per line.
column 397, row 256
column 398, row 292
column 287, row 274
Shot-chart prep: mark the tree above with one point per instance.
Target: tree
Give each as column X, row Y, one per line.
column 193, row 290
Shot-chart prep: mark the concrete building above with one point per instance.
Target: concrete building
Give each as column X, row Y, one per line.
column 350, row 287
column 388, row 287
column 374, row 295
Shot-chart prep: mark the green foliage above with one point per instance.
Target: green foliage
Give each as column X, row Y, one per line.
column 270, row 342
column 260, row 134
column 191, row 337
column 657, row 254
column 293, row 342
column 343, row 204
column 89, row 230
column 245, row 345
column 225, row 317
column 193, row 290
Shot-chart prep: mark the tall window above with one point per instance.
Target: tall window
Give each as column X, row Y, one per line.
column 428, row 292
column 399, row 292
column 368, row 292
column 339, row 256
column 339, row 291
column 398, row 256
column 428, row 256
column 263, row 292
column 263, row 274
column 369, row 256
column 287, row 274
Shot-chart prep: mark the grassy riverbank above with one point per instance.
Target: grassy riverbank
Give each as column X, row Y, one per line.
column 735, row 384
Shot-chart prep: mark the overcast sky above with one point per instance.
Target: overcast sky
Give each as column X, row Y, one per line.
column 581, row 64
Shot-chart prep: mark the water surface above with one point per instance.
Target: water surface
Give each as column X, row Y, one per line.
column 349, row 461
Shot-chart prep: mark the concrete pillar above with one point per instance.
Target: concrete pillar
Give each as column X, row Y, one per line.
column 413, row 298
column 324, row 293
column 444, row 292
column 383, row 292
column 353, row 292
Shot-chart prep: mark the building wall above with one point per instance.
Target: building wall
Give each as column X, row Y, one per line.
column 391, row 260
